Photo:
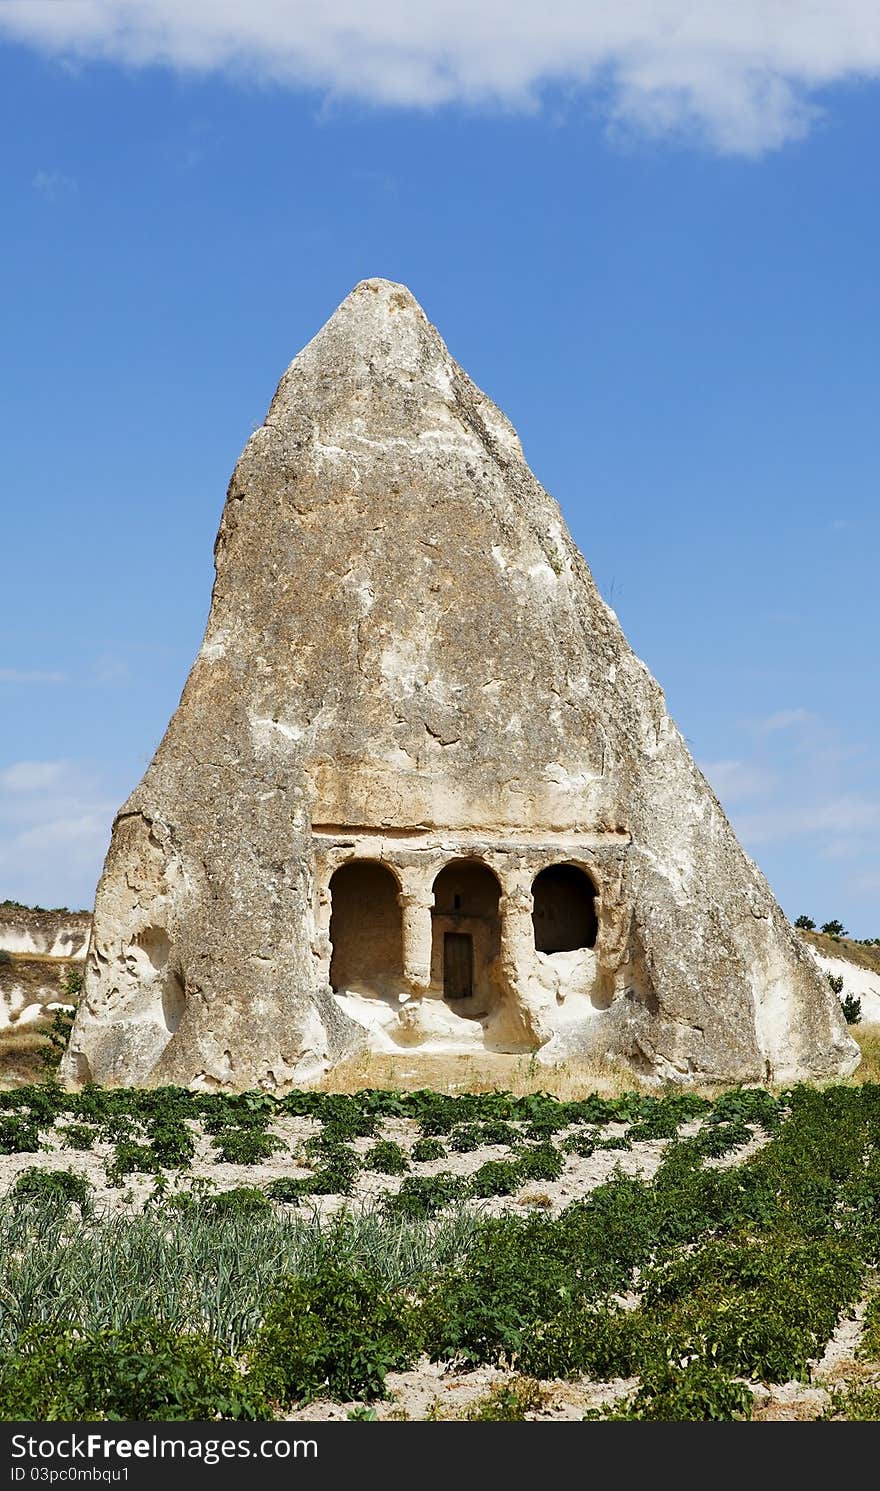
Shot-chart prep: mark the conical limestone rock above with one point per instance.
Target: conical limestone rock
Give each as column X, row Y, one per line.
column 418, row 789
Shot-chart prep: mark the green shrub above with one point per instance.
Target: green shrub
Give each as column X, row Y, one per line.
column 172, row 1144
column 582, row 1143
column 695, row 1393
column 18, row 1136
column 495, row 1178
column 583, row 1340
column 427, row 1149
column 852, row 1009
column 245, row 1146
column 386, row 1157
column 333, row 1333
column 146, row 1371
column 540, row 1162
column 289, row 1188
column 422, row 1196
column 59, row 1188
column 78, row 1136
column 129, row 1158
column 806, row 923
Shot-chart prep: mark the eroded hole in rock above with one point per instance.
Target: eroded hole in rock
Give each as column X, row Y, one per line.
column 154, row 941
column 564, row 910
column 173, row 1001
column 466, row 936
column 365, row 930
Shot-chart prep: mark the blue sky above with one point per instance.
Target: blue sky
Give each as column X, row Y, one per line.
column 670, row 287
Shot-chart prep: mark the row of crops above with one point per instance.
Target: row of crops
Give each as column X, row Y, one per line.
column 249, row 1303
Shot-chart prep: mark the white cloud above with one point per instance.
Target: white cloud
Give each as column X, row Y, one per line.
column 55, row 820
column 785, row 719
column 735, row 781
column 30, row 675
column 32, row 776
column 53, row 185
column 744, row 74
column 833, row 816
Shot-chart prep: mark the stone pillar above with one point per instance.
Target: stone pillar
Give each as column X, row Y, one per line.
column 523, row 1017
column 321, row 940
column 517, row 930
column 416, row 902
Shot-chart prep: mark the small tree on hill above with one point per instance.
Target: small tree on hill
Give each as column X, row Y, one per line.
column 806, row 924
column 834, row 929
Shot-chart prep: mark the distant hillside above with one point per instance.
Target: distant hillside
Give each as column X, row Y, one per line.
column 860, row 953
column 856, row 963
column 47, row 934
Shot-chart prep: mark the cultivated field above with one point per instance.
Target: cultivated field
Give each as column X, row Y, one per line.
column 414, row 1254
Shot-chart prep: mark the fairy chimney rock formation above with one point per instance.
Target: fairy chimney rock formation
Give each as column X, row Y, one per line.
column 419, row 792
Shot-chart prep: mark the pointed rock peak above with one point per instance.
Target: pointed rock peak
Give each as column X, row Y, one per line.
column 380, row 364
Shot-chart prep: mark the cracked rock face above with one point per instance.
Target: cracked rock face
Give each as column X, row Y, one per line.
column 408, row 671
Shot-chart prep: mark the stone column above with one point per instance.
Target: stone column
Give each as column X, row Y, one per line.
column 416, row 902
column 321, row 939
column 523, row 1016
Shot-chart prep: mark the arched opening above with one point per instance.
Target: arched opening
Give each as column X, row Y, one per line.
column 365, row 930
column 466, row 936
column 564, row 909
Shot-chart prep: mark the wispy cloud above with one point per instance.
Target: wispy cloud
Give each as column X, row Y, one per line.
column 784, row 719
column 737, row 781
column 55, row 820
column 53, row 185
column 745, row 77
column 31, row 675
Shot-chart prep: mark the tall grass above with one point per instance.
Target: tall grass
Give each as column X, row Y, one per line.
column 191, row 1270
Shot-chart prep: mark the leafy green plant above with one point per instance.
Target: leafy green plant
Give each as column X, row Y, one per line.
column 805, row 923
column 495, row 1178
column 245, row 1146
column 692, row 1393
column 56, row 1188
column 333, row 1333
column 18, row 1136
column 78, row 1136
column 422, row 1196
column 540, row 1162
column 427, row 1149
column 852, row 1009
column 386, row 1157
column 142, row 1372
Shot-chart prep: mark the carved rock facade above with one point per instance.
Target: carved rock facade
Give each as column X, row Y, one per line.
column 419, row 791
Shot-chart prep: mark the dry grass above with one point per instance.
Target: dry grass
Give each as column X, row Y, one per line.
column 868, row 1041
column 844, row 947
column 21, row 1052
column 488, row 1071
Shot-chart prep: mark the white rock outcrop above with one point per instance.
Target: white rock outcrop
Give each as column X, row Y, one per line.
column 416, row 762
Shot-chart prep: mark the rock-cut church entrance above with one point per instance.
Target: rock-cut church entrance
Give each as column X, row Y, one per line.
column 466, row 938
column 366, row 932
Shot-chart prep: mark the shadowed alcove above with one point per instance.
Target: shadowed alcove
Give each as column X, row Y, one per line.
column 365, row 930
column 564, row 910
column 466, row 935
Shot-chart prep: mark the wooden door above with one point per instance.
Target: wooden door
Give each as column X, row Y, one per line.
column 458, row 965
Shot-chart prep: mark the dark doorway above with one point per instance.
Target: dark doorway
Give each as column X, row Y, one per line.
column 466, row 937
column 458, row 965
column 365, row 930
column 564, row 914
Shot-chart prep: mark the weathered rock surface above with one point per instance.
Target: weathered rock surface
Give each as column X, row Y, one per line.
column 407, row 665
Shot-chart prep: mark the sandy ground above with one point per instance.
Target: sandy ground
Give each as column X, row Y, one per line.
column 580, row 1176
